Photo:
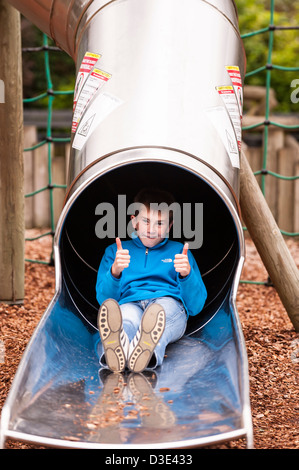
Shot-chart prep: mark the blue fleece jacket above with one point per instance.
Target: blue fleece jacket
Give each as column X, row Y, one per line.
column 151, row 274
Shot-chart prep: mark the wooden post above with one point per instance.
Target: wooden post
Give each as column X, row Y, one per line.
column 41, row 200
column 275, row 144
column 296, row 200
column 30, row 139
column 255, row 159
column 11, row 159
column 59, row 177
column 287, row 159
column 269, row 242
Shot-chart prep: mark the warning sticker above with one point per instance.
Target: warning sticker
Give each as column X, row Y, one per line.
column 100, row 107
column 229, row 98
column 84, row 129
column 94, row 82
column 88, row 62
column 235, row 75
column 223, row 125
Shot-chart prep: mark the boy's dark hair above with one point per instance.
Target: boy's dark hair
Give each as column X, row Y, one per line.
column 148, row 196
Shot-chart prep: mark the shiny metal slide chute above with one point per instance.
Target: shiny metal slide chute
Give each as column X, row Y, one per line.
column 166, row 60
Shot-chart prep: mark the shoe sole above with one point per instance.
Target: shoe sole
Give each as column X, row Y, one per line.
column 152, row 328
column 110, row 326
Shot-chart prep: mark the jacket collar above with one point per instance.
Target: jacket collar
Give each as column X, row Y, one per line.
column 139, row 243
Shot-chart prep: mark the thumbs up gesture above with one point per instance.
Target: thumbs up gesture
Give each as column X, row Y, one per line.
column 122, row 260
column 181, row 262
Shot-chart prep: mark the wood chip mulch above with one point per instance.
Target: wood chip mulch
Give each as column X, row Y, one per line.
column 271, row 341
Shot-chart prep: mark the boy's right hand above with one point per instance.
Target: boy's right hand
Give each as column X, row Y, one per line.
column 122, row 260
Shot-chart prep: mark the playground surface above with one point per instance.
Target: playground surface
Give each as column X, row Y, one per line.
column 272, row 345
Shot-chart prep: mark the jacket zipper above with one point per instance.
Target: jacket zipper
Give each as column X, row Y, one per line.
column 146, row 255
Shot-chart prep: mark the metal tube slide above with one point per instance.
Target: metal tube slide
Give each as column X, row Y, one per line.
column 158, row 102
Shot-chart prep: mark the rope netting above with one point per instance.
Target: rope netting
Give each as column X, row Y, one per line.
column 268, row 68
column 51, row 94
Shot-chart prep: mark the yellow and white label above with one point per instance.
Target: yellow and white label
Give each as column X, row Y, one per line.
column 229, row 98
column 235, row 76
column 94, row 82
column 88, row 62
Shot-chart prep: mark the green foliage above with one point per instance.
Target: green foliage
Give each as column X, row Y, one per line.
column 62, row 71
column 255, row 15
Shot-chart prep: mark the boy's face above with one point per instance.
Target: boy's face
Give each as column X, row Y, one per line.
column 151, row 226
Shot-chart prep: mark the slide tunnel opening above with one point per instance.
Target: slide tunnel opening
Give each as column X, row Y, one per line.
column 81, row 249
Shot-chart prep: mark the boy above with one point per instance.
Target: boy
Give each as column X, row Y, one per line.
column 152, row 285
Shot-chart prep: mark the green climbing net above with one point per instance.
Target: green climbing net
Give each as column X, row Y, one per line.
column 267, row 68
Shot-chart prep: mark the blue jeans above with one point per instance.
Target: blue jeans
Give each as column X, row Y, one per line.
column 176, row 322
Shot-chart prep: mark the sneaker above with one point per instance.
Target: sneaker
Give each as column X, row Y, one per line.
column 115, row 341
column 147, row 337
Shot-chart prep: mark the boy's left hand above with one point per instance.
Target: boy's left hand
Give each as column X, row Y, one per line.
column 181, row 262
